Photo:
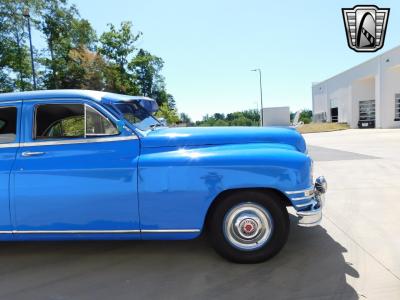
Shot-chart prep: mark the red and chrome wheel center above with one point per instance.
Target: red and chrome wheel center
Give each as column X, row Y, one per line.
column 248, row 227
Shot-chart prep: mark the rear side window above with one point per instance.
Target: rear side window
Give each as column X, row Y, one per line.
column 8, row 124
column 71, row 121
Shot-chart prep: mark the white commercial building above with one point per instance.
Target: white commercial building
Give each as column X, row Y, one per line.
column 367, row 95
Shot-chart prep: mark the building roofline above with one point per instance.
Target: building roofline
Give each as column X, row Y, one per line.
column 356, row 66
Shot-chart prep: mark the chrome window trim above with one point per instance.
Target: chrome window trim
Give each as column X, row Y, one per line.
column 10, row 102
column 59, row 99
column 85, row 120
column 113, row 119
column 118, row 231
column 7, row 106
column 80, row 141
column 9, row 145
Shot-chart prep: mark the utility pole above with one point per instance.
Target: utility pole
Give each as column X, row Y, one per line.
column 28, row 17
column 261, row 95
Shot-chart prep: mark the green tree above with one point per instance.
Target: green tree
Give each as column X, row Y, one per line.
column 184, row 118
column 146, row 69
column 117, row 47
column 66, row 35
column 74, row 57
column 220, row 122
column 15, row 63
column 166, row 101
column 88, row 69
column 240, row 118
column 306, row 116
column 170, row 115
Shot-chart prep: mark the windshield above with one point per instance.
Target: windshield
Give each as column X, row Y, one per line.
column 137, row 115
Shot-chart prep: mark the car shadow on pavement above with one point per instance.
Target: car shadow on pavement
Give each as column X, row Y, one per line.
column 311, row 266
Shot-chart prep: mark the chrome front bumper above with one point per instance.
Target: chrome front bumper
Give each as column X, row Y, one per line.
column 309, row 203
column 312, row 217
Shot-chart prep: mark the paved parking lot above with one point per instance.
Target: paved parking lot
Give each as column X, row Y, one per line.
column 354, row 254
column 364, row 205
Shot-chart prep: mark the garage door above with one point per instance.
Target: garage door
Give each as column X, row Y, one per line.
column 367, row 114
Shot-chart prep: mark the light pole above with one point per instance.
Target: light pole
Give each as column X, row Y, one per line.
column 261, row 96
column 27, row 16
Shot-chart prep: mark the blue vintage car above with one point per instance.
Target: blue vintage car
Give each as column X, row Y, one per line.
column 80, row 164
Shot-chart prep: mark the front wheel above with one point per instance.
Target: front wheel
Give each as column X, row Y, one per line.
column 249, row 226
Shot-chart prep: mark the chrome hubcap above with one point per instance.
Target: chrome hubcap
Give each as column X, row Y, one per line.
column 247, row 226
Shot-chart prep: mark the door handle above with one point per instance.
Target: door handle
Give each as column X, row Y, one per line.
column 28, row 153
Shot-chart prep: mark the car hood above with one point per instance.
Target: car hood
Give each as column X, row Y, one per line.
column 201, row 136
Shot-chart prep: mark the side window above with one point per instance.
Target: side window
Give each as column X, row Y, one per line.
column 60, row 121
column 97, row 124
column 8, row 124
column 71, row 121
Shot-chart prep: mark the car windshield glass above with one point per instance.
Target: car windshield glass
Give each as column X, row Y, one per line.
column 137, row 116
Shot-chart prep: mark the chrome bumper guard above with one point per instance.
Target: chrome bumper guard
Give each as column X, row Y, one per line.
column 312, row 217
column 309, row 205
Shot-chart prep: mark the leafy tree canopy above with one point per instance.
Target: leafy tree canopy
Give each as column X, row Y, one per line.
column 75, row 56
column 243, row 118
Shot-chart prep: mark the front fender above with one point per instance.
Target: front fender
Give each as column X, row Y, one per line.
column 177, row 186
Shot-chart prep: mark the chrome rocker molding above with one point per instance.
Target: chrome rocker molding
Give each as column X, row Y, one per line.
column 170, row 230
column 99, row 231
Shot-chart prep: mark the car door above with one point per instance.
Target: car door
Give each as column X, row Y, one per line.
column 75, row 173
column 10, row 113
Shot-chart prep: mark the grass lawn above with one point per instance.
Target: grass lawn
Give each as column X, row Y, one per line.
column 321, row 127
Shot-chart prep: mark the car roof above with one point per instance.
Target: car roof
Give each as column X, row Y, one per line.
column 62, row 94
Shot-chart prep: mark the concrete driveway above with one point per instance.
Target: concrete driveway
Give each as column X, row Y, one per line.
column 354, row 254
column 363, row 171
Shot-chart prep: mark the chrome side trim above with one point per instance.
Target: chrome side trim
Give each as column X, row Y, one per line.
column 299, row 192
column 302, row 198
column 72, row 231
column 80, row 141
column 98, row 231
column 10, row 145
column 304, row 204
column 170, row 230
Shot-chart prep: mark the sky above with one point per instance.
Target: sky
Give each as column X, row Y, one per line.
column 210, row 46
